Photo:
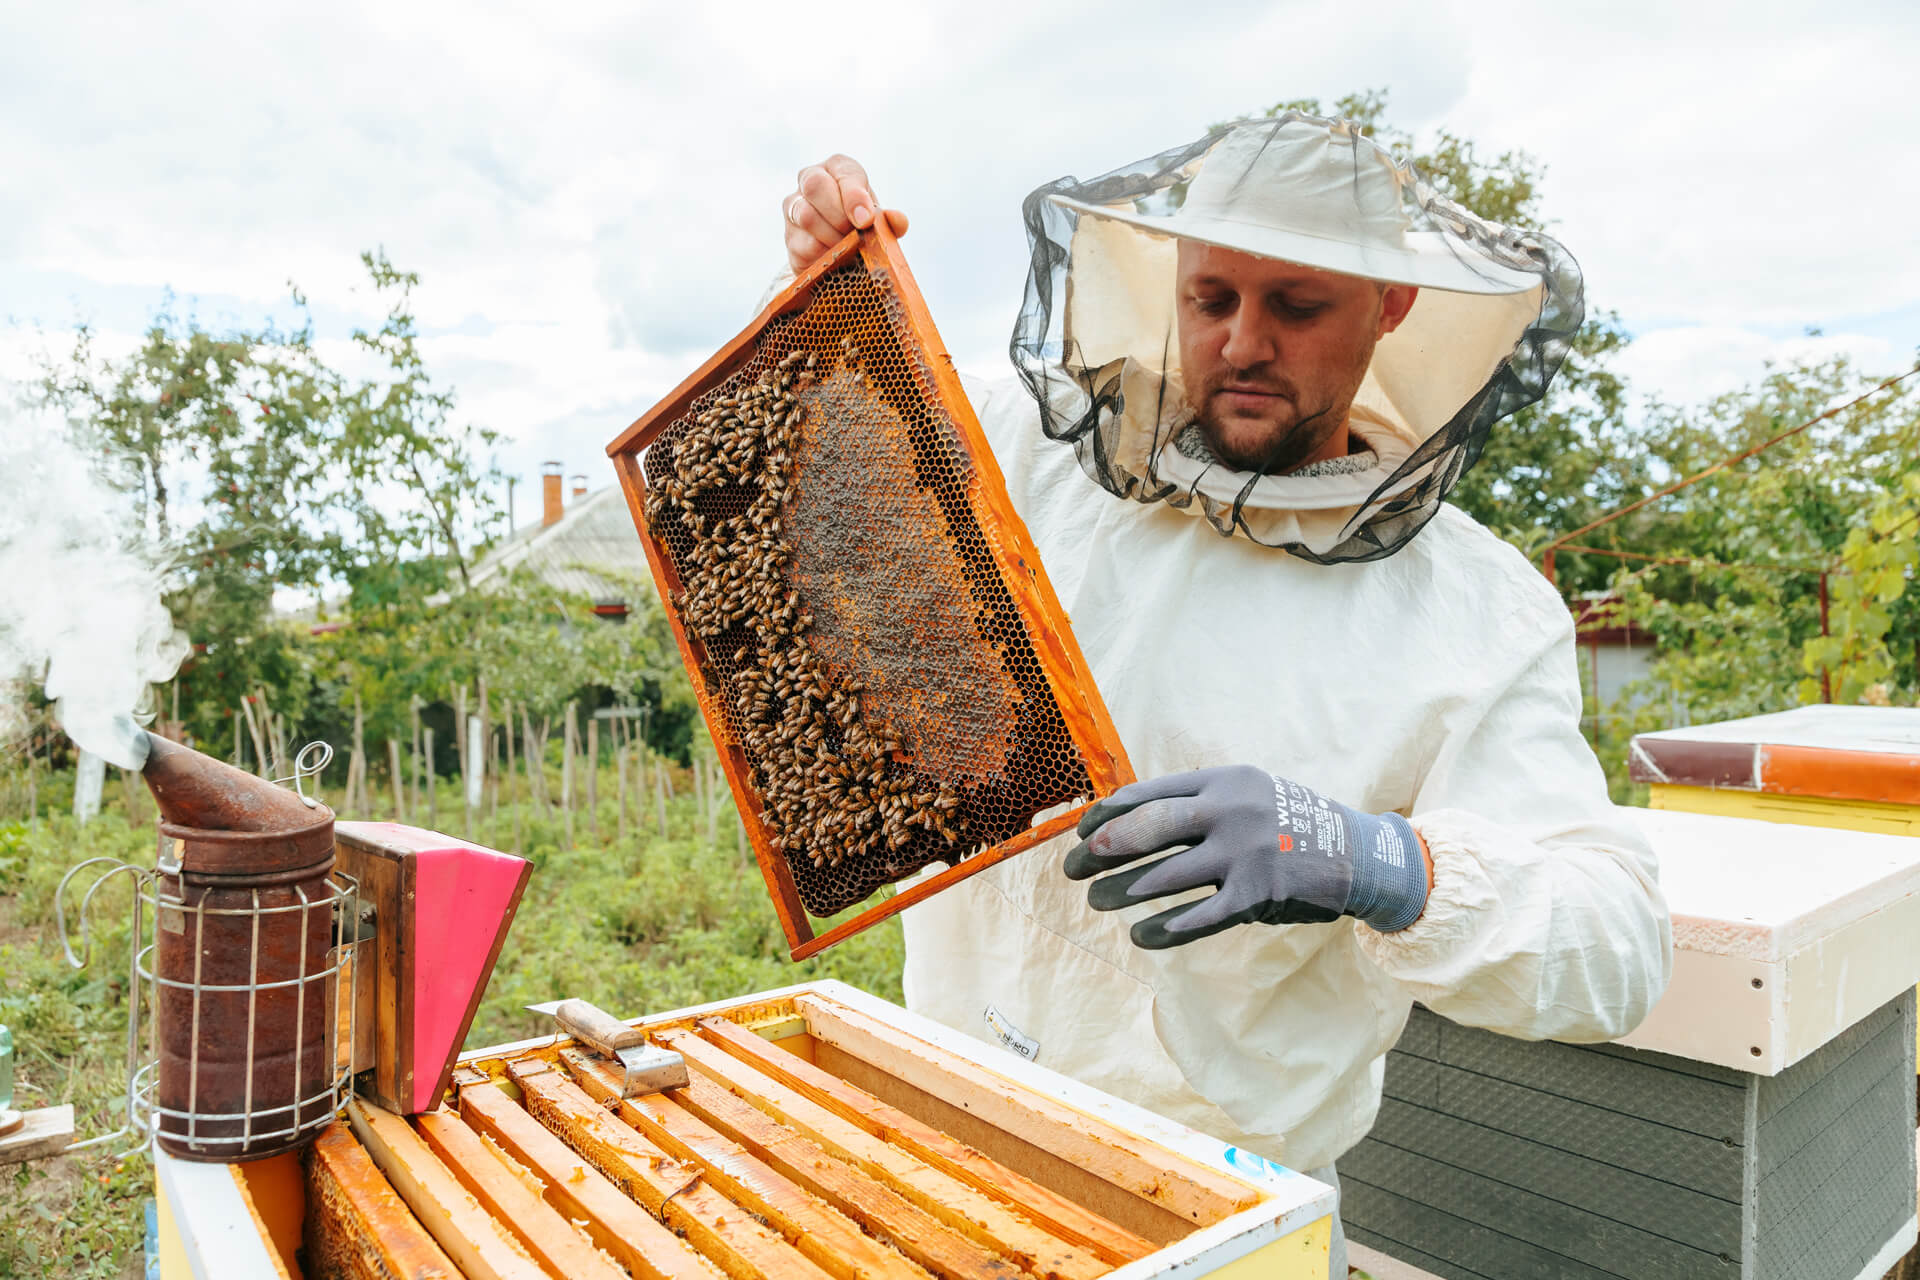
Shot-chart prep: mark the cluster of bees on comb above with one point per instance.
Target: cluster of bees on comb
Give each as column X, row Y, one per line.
column 832, row 784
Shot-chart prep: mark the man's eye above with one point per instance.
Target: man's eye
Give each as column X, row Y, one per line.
column 1213, row 306
column 1299, row 310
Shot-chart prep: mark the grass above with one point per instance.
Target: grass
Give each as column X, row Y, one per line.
column 636, row 925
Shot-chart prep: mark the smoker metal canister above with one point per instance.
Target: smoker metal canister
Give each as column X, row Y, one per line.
column 243, row 986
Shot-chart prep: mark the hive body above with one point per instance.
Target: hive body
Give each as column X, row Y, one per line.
column 816, row 1138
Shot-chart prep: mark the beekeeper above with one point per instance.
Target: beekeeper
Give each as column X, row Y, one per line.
column 1249, row 371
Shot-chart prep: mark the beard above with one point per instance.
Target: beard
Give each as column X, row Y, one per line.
column 1272, row 443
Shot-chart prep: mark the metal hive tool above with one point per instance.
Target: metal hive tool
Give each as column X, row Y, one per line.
column 877, row 652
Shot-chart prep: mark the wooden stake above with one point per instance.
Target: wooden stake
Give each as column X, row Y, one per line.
column 433, row 821
column 461, row 735
column 261, row 765
column 357, row 799
column 568, row 741
column 620, row 783
column 488, row 768
column 660, row 793
column 507, row 729
column 238, row 742
column 413, row 713
column 398, row 779
column 593, row 776
column 493, row 775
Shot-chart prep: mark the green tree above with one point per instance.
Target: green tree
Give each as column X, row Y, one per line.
column 261, row 468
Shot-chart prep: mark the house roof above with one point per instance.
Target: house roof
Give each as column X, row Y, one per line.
column 593, row 533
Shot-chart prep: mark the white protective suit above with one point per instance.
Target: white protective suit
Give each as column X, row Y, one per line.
column 1427, row 670
column 1438, row 683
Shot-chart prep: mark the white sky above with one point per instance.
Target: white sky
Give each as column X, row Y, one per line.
column 592, row 191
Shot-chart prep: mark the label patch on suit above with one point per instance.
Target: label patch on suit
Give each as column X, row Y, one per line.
column 1010, row 1036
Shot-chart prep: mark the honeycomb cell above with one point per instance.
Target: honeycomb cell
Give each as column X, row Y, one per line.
column 852, row 630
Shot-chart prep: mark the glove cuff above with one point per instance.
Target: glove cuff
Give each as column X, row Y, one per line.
column 1389, row 876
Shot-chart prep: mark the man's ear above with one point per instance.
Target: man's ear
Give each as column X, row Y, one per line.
column 1395, row 301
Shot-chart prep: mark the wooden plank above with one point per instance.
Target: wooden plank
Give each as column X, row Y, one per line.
column 356, row 1224
column 869, row 1201
column 552, row 1241
column 1421, row 1036
column 582, row 1193
column 1676, row 1212
column 1626, row 1142
column 675, row 1193
column 1818, row 1109
column 483, row 1248
column 1142, row 1217
column 1573, row 1231
column 381, row 883
column 1195, row 1193
column 1673, row 1062
column 1854, row 1221
column 1058, row 1214
column 1867, row 1138
column 979, row 1217
column 1381, row 1218
column 1393, row 1251
column 43, row 1131
column 813, row 1226
column 1677, row 1099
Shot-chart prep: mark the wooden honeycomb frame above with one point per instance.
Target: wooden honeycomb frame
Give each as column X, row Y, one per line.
column 823, row 1135
column 1067, row 679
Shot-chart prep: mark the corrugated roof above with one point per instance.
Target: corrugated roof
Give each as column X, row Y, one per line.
column 595, row 532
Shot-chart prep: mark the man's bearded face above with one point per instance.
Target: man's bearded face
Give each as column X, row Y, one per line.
column 1273, row 353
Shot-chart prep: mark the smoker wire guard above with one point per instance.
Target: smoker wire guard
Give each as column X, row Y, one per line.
column 1067, row 677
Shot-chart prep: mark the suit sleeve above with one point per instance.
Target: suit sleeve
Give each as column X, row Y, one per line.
column 1546, row 919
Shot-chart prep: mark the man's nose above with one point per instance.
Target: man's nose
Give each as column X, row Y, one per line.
column 1251, row 339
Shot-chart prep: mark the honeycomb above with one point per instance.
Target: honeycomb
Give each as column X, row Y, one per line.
column 845, row 614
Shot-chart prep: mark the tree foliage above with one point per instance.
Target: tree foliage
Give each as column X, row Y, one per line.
column 262, row 468
column 1839, row 497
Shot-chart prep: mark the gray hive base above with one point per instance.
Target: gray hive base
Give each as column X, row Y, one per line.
column 1497, row 1159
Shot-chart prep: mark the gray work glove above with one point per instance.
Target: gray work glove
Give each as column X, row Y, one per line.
column 1274, row 851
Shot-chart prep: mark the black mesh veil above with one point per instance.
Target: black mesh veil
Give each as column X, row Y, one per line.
column 1096, row 341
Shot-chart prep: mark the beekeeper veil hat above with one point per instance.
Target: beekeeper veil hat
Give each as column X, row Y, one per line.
column 1097, row 341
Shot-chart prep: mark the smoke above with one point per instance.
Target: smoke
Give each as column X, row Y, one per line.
column 80, row 607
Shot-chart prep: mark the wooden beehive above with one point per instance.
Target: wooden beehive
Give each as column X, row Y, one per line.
column 823, row 1133
column 1759, row 1123
column 920, row 593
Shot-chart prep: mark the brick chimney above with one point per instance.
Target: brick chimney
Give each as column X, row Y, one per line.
column 579, row 488
column 550, row 511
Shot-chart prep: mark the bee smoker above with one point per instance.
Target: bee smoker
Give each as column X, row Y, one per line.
column 244, row 962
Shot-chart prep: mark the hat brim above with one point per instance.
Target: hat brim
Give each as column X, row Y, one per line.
column 1431, row 260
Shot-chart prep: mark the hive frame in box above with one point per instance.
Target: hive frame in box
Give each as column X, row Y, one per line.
column 1066, row 670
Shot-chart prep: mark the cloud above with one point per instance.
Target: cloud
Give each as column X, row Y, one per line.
column 591, row 192
column 1697, row 362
